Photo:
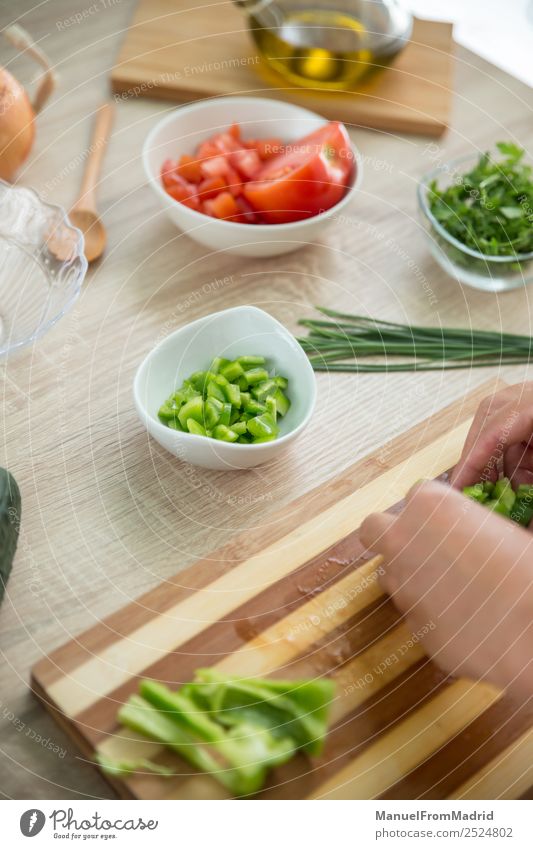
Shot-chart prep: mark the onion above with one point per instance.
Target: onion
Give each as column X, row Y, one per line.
column 17, row 112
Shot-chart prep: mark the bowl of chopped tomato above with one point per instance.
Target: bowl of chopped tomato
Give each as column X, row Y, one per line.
column 251, row 176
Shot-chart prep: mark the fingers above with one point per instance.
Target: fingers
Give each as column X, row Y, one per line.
column 521, row 396
column 518, row 464
column 374, row 529
column 510, row 425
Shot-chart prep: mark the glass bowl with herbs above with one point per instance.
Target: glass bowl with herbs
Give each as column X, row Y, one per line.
column 477, row 213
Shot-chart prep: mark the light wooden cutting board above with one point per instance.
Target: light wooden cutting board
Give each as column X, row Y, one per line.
column 300, row 597
column 183, row 51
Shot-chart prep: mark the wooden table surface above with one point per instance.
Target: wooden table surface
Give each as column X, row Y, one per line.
column 107, row 513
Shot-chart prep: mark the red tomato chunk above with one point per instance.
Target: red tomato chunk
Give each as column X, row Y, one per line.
column 263, row 181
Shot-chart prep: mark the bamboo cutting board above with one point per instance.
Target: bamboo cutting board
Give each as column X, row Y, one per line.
column 177, row 50
column 296, row 598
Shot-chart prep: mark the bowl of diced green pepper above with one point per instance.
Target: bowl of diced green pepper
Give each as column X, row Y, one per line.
column 228, row 391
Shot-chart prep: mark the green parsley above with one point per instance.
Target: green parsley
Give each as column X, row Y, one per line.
column 489, row 208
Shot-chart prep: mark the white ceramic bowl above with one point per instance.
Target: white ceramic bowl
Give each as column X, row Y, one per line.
column 231, row 333
column 187, row 126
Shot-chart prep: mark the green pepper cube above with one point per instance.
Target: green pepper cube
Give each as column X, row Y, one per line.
column 167, row 412
column 280, row 381
column 225, row 434
column 215, row 391
column 254, row 407
column 233, row 394
column 212, row 411
column 220, row 380
column 249, row 361
column 476, row 493
column 282, row 402
column 232, row 371
column 193, row 409
column 242, row 383
column 198, row 380
column 195, row 427
column 239, row 427
column 174, row 424
column 245, row 438
column 263, row 389
column 235, row 416
column 218, row 363
column 497, row 506
column 488, row 487
column 522, row 512
column 263, row 425
column 225, row 415
column 256, row 375
column 271, row 407
column 503, row 492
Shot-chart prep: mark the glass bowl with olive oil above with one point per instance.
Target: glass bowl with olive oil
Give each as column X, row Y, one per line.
column 330, row 45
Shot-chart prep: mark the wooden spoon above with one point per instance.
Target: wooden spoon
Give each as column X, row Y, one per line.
column 83, row 214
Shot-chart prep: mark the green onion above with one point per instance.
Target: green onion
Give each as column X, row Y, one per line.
column 345, row 341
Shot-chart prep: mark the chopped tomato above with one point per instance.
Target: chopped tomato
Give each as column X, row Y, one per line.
column 246, row 215
column 210, row 187
column 310, row 177
column 189, row 168
column 215, row 166
column 184, row 192
column 168, row 171
column 223, row 206
column 262, row 180
column 265, row 148
column 246, row 162
column 235, row 184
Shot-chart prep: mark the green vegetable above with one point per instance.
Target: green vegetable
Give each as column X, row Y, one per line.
column 10, row 507
column 233, row 401
column 234, row 729
column 501, row 498
column 345, row 342
column 119, row 768
column 489, row 208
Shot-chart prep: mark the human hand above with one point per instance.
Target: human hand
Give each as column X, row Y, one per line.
column 501, row 436
column 465, row 572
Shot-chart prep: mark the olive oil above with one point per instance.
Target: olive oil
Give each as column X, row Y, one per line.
column 329, row 45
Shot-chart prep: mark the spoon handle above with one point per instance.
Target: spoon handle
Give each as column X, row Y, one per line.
column 101, row 133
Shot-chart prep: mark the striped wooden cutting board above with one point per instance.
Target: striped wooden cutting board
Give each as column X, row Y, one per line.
column 300, row 597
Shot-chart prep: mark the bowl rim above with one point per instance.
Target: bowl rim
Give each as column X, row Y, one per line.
column 80, row 256
column 193, row 436
column 422, row 191
column 237, row 226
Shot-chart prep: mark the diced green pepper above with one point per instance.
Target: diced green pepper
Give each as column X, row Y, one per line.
column 196, row 428
column 249, row 361
column 256, row 375
column 233, row 394
column 224, row 433
column 193, row 409
column 271, row 407
column 218, row 363
column 282, row 402
column 215, row 391
column 254, row 407
column 225, row 415
column 263, row 389
column 262, row 426
column 232, row 371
